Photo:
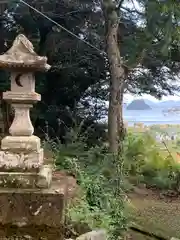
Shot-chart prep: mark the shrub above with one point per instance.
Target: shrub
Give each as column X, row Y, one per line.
column 145, row 161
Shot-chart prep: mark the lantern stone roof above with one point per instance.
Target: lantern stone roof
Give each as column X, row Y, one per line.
column 22, row 57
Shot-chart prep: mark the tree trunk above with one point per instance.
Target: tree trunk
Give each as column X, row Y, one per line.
column 115, row 118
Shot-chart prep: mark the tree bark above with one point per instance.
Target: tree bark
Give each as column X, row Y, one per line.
column 115, row 118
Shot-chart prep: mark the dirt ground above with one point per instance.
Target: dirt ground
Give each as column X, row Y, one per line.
column 155, row 212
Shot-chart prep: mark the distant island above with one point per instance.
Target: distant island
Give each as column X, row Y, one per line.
column 138, row 104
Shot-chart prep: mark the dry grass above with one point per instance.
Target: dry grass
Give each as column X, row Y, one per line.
column 159, row 216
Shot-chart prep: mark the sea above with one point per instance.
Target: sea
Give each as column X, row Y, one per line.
column 150, row 117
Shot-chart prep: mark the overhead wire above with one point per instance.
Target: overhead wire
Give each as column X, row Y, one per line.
column 60, row 26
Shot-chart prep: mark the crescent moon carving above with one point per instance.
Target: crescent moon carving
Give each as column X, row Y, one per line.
column 17, row 79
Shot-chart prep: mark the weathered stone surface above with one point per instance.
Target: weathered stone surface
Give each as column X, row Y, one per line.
column 28, row 207
column 18, row 180
column 93, row 235
column 26, row 97
column 27, row 81
column 21, row 125
column 22, row 56
column 38, row 214
column 21, row 143
column 44, row 177
column 25, row 180
column 22, row 162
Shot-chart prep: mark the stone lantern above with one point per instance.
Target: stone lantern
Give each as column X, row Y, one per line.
column 21, row 155
column 32, row 198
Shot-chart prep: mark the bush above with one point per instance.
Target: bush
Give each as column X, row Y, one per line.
column 146, row 163
column 102, row 203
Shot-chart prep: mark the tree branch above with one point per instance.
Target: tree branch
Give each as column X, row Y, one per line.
column 120, row 4
column 132, row 11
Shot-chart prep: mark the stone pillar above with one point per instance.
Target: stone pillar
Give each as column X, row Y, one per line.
column 29, row 195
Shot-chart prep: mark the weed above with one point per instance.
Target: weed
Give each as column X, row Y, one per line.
column 102, row 202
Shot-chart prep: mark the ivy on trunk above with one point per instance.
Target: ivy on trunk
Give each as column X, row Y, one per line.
column 117, row 74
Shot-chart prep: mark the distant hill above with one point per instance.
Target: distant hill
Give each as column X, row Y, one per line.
column 144, row 104
column 138, row 104
column 150, row 103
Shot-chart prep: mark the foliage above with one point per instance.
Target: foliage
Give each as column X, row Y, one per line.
column 80, row 73
column 77, row 72
column 145, row 162
column 153, row 38
column 101, row 202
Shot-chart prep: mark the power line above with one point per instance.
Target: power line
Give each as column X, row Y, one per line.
column 59, row 25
